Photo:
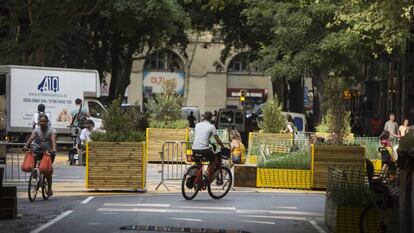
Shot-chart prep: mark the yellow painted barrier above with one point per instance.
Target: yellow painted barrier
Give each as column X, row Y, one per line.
column 252, row 159
column 283, row 178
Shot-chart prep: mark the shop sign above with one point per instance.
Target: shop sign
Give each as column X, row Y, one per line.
column 153, row 81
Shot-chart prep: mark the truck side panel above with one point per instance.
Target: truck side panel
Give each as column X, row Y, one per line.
column 57, row 89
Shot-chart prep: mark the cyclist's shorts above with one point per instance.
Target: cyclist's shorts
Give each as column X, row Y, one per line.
column 207, row 154
column 39, row 156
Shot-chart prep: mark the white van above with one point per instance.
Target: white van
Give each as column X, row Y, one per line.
column 299, row 119
column 185, row 112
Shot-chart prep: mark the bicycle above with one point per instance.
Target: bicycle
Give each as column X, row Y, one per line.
column 37, row 180
column 378, row 215
column 74, row 152
column 194, row 180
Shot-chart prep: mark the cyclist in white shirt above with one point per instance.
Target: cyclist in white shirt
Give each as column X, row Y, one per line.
column 203, row 132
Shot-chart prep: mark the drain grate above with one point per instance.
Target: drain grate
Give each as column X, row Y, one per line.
column 176, row 229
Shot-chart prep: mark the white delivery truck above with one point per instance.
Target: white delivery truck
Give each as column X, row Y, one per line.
column 23, row 88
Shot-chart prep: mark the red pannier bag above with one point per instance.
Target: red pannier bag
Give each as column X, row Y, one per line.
column 45, row 166
column 28, row 162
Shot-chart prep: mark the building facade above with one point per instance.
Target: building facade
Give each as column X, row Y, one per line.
column 200, row 77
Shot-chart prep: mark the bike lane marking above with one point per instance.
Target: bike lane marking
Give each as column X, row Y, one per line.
column 87, row 200
column 316, row 226
column 51, row 222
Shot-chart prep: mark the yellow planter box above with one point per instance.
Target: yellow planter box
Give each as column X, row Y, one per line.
column 345, row 219
column 283, row 178
column 252, row 159
column 115, row 165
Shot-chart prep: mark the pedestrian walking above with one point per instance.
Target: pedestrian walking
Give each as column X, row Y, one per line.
column 403, row 129
column 191, row 120
column 392, row 127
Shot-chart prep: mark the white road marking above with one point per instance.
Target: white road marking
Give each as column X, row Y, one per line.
column 87, row 200
column 161, row 210
column 51, row 222
column 187, row 219
column 317, row 227
column 276, row 217
column 136, row 205
column 260, row 222
column 285, row 207
column 207, row 208
column 281, row 212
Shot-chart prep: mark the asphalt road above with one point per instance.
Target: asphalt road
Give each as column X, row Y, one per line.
column 238, row 212
column 248, row 210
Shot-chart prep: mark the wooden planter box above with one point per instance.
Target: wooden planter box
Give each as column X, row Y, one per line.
column 339, row 156
column 156, row 139
column 245, row 175
column 115, row 165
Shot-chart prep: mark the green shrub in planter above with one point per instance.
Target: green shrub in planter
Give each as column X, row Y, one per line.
column 121, row 126
column 293, row 160
column 177, row 124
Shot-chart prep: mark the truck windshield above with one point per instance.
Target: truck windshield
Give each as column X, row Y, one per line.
column 95, row 109
column 226, row 117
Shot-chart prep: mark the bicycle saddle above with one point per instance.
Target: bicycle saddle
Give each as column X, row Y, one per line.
column 199, row 157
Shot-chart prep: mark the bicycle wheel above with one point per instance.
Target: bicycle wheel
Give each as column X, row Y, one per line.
column 33, row 186
column 188, row 187
column 221, row 184
column 45, row 188
column 371, row 219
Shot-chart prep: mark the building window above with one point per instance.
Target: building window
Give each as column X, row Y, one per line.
column 164, row 60
column 245, row 62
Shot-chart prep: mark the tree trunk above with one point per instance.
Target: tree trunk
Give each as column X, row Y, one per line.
column 296, row 96
column 318, row 108
column 115, row 53
column 280, row 89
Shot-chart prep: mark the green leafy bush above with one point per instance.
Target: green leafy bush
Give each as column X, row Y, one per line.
column 273, row 119
column 177, row 124
column 121, row 126
column 165, row 109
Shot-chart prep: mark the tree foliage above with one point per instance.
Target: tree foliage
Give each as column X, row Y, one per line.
column 273, row 119
column 165, row 107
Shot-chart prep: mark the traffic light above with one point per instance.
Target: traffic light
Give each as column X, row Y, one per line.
column 242, row 96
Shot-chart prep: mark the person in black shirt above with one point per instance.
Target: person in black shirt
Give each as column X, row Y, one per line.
column 191, row 120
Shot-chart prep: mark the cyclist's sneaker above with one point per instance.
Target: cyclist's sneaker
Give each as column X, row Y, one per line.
column 190, row 182
column 219, row 182
column 50, row 193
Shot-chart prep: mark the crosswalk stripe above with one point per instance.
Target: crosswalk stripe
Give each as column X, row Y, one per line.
column 276, row 217
column 207, row 207
column 160, row 210
column 187, row 219
column 136, row 205
column 281, row 212
column 260, row 222
column 284, row 207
